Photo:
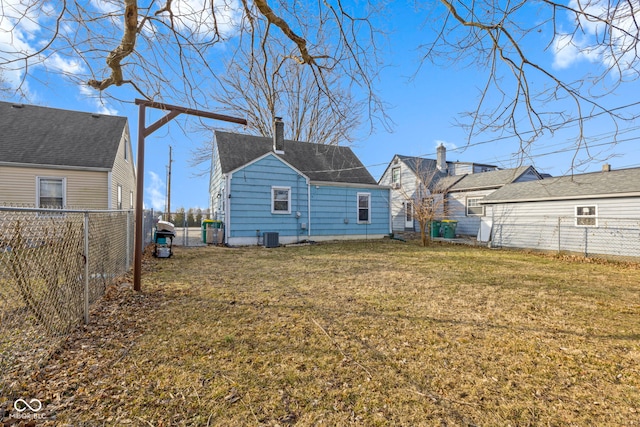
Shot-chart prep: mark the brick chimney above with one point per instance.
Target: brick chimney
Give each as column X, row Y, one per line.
column 278, row 135
column 442, row 158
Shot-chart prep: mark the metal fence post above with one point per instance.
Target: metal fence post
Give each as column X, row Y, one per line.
column 559, row 232
column 586, row 243
column 86, row 268
column 129, row 239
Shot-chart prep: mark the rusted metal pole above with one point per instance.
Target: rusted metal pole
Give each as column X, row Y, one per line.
column 143, row 132
column 137, row 238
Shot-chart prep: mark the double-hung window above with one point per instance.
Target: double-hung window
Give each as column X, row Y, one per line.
column 395, row 177
column 587, row 216
column 474, row 208
column 364, row 208
column 280, row 200
column 50, row 192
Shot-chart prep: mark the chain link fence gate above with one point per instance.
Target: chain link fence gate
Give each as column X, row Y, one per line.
column 188, row 228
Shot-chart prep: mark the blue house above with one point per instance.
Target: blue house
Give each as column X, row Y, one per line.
column 301, row 191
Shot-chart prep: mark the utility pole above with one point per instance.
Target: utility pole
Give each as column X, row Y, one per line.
column 169, row 188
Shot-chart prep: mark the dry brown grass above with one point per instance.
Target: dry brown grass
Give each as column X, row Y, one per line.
column 359, row 333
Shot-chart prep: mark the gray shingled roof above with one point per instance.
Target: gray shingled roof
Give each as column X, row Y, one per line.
column 426, row 169
column 615, row 183
column 31, row 134
column 491, row 179
column 318, row 162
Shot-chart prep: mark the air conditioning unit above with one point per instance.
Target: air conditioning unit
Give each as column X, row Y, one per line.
column 270, row 240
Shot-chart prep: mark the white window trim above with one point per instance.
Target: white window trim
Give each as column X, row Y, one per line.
column 368, row 221
column 393, row 169
column 466, row 207
column 119, row 197
column 575, row 210
column 64, row 189
column 273, row 211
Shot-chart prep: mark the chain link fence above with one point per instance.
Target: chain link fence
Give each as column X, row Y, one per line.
column 611, row 238
column 53, row 265
column 188, row 228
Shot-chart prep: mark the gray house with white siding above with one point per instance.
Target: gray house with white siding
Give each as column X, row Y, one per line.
column 592, row 213
column 406, row 174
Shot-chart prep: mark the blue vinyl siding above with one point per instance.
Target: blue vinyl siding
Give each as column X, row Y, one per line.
column 334, row 211
column 250, row 201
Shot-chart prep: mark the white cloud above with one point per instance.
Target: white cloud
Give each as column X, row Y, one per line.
column 99, row 104
column 196, row 17
column 447, row 145
column 22, row 34
column 155, row 190
column 586, row 44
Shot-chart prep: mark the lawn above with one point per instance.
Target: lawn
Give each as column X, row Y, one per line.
column 359, row 333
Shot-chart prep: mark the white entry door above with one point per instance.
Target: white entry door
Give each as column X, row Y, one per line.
column 408, row 215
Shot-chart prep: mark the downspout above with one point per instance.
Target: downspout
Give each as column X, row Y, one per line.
column 227, row 208
column 390, row 213
column 309, row 208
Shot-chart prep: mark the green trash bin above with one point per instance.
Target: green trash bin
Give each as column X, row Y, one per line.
column 449, row 228
column 206, row 222
column 435, row 228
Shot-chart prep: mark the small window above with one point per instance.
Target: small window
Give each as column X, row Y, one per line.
column 131, row 199
column 395, row 176
column 126, row 148
column 474, row 208
column 364, row 208
column 586, row 216
column 280, row 200
column 51, row 193
column 119, row 196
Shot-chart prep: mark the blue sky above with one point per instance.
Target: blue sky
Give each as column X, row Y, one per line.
column 424, row 109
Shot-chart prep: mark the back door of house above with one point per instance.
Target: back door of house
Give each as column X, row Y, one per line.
column 408, row 215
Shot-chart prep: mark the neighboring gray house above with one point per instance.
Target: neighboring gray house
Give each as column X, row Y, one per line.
column 301, row 191
column 463, row 197
column 404, row 174
column 64, row 159
column 592, row 213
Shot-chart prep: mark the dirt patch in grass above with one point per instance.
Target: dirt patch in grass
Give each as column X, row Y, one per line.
column 357, row 333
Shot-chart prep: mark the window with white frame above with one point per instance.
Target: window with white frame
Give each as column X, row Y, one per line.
column 280, row 200
column 474, row 208
column 587, row 216
column 131, row 199
column 50, row 192
column 119, row 197
column 364, row 208
column 395, row 176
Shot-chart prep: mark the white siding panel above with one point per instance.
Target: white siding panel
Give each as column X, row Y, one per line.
column 551, row 226
column 123, row 173
column 85, row 189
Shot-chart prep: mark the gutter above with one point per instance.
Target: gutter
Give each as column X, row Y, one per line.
column 57, row 167
column 560, row 198
column 348, row 184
